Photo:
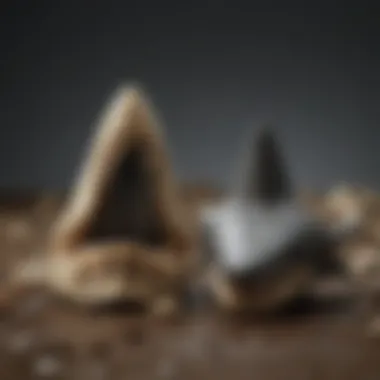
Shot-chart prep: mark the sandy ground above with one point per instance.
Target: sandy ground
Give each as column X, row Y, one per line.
column 42, row 337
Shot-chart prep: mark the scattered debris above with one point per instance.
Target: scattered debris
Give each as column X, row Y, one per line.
column 18, row 230
column 157, row 357
column 374, row 328
column 21, row 341
column 47, row 366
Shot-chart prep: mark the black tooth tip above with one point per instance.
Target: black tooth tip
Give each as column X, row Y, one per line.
column 265, row 178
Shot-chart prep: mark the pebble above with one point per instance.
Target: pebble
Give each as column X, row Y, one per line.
column 364, row 260
column 21, row 342
column 374, row 328
column 18, row 230
column 33, row 304
column 167, row 369
column 99, row 350
column 197, row 344
column 5, row 300
column 164, row 307
column 134, row 336
column 47, row 365
column 98, row 371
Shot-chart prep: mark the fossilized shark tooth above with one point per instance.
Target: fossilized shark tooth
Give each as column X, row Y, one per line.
column 124, row 204
column 265, row 247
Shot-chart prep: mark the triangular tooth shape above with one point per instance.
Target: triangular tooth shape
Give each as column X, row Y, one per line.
column 125, row 189
column 265, row 178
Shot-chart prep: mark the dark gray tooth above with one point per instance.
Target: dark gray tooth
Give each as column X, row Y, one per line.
column 264, row 176
column 262, row 233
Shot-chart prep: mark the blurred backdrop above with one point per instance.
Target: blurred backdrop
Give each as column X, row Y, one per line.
column 215, row 69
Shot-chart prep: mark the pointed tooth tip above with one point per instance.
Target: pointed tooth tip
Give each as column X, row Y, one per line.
column 266, row 172
column 267, row 128
column 132, row 93
column 132, row 89
column 125, row 100
column 267, row 133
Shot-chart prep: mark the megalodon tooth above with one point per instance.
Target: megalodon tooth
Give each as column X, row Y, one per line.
column 124, row 232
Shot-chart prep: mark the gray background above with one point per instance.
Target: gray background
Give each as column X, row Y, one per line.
column 214, row 71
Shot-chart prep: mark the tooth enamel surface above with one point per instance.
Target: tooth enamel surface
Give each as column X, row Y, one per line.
column 247, row 236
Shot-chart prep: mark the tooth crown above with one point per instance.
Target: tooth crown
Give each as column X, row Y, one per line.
column 124, row 230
